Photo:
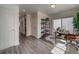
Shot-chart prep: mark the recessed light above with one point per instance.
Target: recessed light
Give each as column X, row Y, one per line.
column 52, row 5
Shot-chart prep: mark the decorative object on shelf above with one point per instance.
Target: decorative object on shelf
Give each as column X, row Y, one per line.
column 45, row 27
column 76, row 22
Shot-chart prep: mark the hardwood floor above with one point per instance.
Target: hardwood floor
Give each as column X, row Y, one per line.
column 31, row 45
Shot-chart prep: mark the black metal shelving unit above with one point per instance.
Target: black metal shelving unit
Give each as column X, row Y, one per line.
column 45, row 27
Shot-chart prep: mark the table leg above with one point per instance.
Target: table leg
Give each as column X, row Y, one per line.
column 55, row 37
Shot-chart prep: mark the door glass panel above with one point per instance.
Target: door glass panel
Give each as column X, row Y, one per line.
column 57, row 23
column 67, row 24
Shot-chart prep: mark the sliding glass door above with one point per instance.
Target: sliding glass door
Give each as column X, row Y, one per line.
column 65, row 23
column 57, row 23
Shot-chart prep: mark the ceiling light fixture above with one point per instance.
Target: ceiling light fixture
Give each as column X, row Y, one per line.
column 52, row 5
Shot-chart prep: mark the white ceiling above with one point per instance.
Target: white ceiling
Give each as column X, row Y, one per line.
column 33, row 8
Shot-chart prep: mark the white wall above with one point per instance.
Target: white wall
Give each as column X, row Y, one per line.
column 9, row 26
column 34, row 25
column 28, row 24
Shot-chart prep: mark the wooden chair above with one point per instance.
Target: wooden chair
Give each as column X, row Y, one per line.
column 72, row 37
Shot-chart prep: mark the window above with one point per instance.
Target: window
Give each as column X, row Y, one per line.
column 57, row 23
column 65, row 23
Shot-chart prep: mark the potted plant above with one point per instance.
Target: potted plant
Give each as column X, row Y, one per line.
column 76, row 22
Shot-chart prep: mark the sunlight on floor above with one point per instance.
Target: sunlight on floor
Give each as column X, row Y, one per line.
column 59, row 48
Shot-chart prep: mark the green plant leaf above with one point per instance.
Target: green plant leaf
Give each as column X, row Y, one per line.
column 76, row 21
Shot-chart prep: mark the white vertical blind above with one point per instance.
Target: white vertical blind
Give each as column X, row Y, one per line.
column 57, row 23
column 67, row 24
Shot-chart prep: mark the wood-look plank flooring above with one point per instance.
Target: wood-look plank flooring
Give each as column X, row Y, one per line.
column 31, row 45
